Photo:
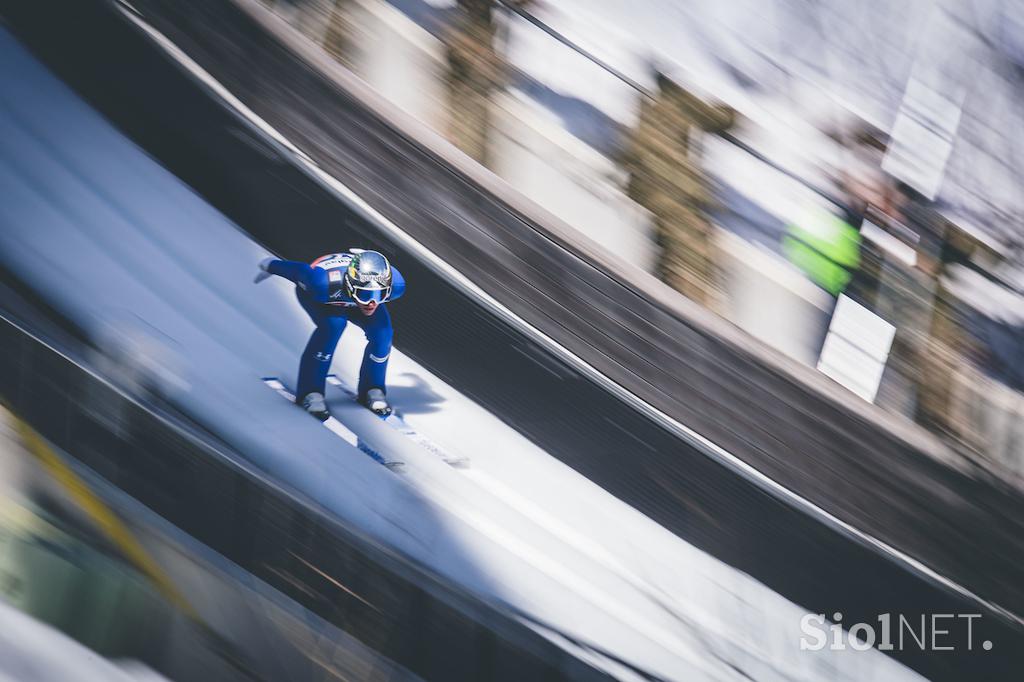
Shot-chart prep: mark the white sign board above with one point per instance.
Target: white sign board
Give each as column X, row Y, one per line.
column 856, row 348
column 922, row 137
column 890, row 244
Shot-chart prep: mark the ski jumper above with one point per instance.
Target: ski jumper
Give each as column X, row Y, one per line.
column 320, row 289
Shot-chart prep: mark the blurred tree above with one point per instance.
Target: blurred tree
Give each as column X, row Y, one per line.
column 932, row 343
column 667, row 179
column 339, row 38
column 475, row 72
column 312, row 18
column 949, row 345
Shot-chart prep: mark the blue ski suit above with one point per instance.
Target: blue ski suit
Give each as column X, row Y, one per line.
column 321, row 293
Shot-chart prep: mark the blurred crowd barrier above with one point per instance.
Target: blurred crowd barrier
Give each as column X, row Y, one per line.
column 815, row 198
column 66, row 596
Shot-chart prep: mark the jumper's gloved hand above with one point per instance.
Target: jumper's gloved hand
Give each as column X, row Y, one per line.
column 263, row 273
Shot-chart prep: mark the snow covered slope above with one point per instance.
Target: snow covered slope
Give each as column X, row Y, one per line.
column 121, row 247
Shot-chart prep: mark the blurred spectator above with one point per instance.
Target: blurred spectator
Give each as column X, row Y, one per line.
column 825, row 246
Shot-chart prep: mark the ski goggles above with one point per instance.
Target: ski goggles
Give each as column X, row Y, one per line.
column 371, row 294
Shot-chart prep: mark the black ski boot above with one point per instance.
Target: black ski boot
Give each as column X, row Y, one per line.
column 314, row 404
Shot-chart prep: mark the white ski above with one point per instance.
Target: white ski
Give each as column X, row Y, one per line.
column 338, row 428
column 395, row 421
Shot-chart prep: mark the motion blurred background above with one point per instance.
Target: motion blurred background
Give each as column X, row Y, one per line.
column 776, row 244
column 726, row 148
